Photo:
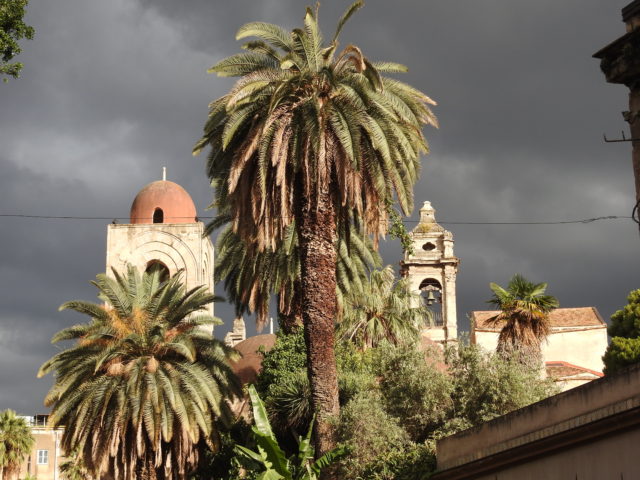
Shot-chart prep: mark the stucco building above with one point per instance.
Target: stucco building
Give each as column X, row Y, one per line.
column 43, row 462
column 573, row 350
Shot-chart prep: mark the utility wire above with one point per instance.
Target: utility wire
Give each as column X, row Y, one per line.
column 561, row 222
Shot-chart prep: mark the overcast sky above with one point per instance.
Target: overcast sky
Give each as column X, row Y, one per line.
column 112, row 91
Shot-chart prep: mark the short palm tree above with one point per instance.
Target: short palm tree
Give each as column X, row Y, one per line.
column 16, row 442
column 144, row 383
column 524, row 312
column 383, row 309
column 316, row 138
column 250, row 278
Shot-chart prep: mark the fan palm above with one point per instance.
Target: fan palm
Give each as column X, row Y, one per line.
column 16, row 442
column 144, row 383
column 382, row 309
column 524, row 311
column 251, row 277
column 316, row 139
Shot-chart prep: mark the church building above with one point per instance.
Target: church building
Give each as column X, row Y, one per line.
column 431, row 270
column 163, row 232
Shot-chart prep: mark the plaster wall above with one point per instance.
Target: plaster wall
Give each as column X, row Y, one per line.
column 590, row 432
column 612, row 458
column 583, row 347
column 46, row 439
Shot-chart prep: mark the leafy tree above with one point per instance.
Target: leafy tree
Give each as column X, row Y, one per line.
column 271, row 461
column 16, row 442
column 397, row 400
column 251, row 277
column 12, row 29
column 319, row 140
column 382, row 309
column 624, row 329
column 524, row 312
column 144, row 383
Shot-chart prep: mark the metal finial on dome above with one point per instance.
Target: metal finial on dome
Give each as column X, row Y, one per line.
column 164, row 174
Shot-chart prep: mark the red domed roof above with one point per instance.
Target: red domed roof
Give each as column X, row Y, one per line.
column 163, row 202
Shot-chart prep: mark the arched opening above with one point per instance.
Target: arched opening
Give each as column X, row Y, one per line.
column 158, row 216
column 431, row 293
column 158, row 266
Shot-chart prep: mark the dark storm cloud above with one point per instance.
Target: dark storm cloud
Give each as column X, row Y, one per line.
column 112, row 91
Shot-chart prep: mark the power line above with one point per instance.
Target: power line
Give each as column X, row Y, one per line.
column 116, row 219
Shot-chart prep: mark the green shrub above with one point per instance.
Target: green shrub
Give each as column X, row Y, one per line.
column 413, row 389
column 624, row 348
column 621, row 353
column 488, row 385
column 369, row 432
column 415, row 461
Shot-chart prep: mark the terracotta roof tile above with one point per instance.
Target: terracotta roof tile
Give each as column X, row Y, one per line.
column 558, row 369
column 560, row 317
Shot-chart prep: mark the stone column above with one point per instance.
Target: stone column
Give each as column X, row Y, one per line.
column 449, row 306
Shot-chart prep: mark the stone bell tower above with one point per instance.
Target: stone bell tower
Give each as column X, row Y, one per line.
column 431, row 270
column 163, row 233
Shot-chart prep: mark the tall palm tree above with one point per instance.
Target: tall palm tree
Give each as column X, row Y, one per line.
column 144, row 383
column 382, row 309
column 320, row 140
column 251, row 277
column 524, row 312
column 16, row 442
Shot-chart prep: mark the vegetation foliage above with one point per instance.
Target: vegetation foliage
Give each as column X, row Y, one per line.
column 316, row 139
column 396, row 400
column 270, row 460
column 143, row 383
column 624, row 329
column 12, row 29
column 250, row 277
column 382, row 309
column 524, row 313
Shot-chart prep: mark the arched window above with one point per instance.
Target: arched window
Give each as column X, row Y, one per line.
column 431, row 292
column 157, row 265
column 158, row 215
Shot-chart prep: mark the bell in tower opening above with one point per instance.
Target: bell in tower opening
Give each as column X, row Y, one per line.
column 431, row 269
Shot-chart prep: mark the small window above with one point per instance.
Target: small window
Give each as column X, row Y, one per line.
column 158, row 215
column 428, row 246
column 43, row 457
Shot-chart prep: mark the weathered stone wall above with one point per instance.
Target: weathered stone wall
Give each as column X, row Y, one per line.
column 176, row 245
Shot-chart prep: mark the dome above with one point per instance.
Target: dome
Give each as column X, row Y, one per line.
column 163, row 202
column 248, row 367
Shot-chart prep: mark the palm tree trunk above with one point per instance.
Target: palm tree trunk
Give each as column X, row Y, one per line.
column 317, row 235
